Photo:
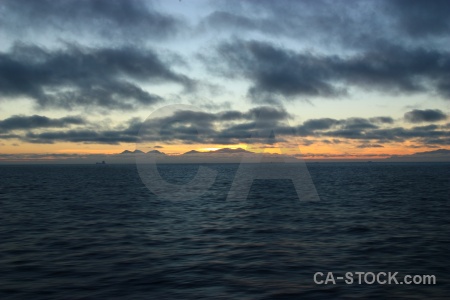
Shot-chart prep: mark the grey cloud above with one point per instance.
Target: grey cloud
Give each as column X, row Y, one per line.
column 232, row 21
column 346, row 133
column 278, row 71
column 32, row 122
column 228, row 20
column 357, row 123
column 9, row 136
column 426, row 128
column 114, row 136
column 345, row 127
column 333, row 141
column 186, row 126
column 262, row 113
column 322, row 21
column 396, row 134
column 259, row 125
column 382, row 120
column 84, row 77
column 267, row 113
column 108, row 95
column 225, row 127
column 368, row 145
column 420, row 18
column 100, row 19
column 427, row 115
column 436, row 141
column 370, row 134
column 324, row 123
column 337, row 24
column 231, row 115
column 80, row 136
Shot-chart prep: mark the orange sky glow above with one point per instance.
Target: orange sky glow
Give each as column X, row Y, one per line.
column 314, row 151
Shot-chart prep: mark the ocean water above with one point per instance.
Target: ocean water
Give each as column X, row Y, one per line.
column 96, row 232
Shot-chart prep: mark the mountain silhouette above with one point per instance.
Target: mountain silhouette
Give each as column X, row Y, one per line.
column 192, row 152
column 131, row 152
column 155, row 152
column 229, row 150
column 219, row 151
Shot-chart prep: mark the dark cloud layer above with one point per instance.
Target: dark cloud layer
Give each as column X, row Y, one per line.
column 337, row 24
column 276, row 71
column 427, row 115
column 35, row 121
column 382, row 120
column 259, row 125
column 390, row 46
column 418, row 18
column 226, row 127
column 113, row 136
column 187, row 126
column 80, row 136
column 82, row 77
column 286, row 50
column 368, row 145
column 101, row 19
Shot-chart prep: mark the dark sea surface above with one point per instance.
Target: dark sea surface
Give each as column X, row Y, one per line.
column 96, row 232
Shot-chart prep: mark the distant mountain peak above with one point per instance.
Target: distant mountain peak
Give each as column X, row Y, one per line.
column 229, row 150
column 439, row 155
column 155, row 152
column 439, row 151
column 219, row 151
column 131, row 152
column 192, row 152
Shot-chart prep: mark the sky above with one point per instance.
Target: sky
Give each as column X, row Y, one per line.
column 332, row 79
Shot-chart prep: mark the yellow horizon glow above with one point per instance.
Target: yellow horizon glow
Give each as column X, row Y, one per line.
column 208, row 149
column 347, row 150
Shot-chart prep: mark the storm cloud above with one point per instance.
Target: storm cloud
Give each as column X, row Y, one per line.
column 427, row 115
column 64, row 65
column 224, row 127
column 102, row 19
column 36, row 121
column 336, row 24
column 420, row 19
column 105, row 78
column 265, row 125
column 277, row 71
